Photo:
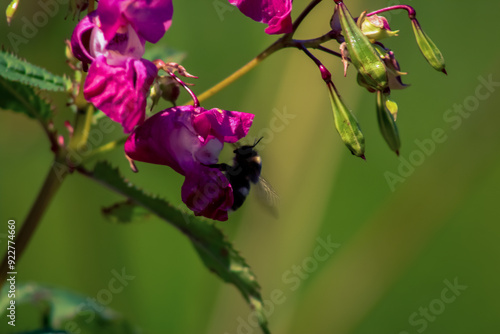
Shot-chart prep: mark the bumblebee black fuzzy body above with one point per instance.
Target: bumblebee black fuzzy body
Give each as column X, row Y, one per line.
column 245, row 170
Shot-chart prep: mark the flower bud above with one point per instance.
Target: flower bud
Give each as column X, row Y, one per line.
column 428, row 48
column 386, row 112
column 346, row 124
column 376, row 28
column 362, row 53
column 165, row 87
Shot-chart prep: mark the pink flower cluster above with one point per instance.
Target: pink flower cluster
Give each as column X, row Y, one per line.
column 110, row 42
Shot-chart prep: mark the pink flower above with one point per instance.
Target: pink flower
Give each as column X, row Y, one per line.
column 111, row 40
column 150, row 18
column 120, row 91
column 275, row 13
column 189, row 139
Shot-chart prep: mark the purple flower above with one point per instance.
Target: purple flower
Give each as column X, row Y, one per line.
column 275, row 13
column 111, row 40
column 120, row 91
column 189, row 139
column 150, row 18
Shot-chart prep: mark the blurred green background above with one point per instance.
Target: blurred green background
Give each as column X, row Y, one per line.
column 400, row 243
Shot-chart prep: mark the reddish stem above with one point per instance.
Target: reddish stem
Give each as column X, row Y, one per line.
column 411, row 11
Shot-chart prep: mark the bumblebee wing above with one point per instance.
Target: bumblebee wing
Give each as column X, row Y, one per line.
column 267, row 196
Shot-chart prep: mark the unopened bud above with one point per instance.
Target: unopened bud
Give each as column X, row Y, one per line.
column 387, row 121
column 376, row 28
column 428, row 48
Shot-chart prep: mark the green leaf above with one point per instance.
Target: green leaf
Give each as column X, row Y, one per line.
column 67, row 310
column 17, row 97
column 18, row 70
column 215, row 251
column 125, row 212
column 168, row 55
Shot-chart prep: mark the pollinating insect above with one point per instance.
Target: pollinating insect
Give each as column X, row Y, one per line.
column 246, row 169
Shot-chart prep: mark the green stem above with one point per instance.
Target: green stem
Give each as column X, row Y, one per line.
column 242, row 71
column 105, row 148
column 83, row 122
column 53, row 181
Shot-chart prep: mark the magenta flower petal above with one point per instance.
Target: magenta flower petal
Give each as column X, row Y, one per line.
column 228, row 126
column 150, row 18
column 80, row 39
column 207, row 193
column 275, row 13
column 188, row 139
column 120, row 91
column 166, row 138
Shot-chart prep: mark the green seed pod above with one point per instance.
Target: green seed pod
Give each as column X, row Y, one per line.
column 428, row 48
column 386, row 111
column 346, row 124
column 361, row 51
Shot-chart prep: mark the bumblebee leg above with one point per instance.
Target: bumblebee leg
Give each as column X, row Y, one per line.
column 222, row 167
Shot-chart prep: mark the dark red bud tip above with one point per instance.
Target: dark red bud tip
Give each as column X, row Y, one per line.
column 444, row 71
column 363, row 157
column 325, row 74
column 397, row 153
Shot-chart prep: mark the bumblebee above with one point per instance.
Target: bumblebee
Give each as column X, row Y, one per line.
column 245, row 170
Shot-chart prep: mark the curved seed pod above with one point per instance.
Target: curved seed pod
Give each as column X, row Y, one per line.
column 346, row 124
column 430, row 51
column 386, row 121
column 361, row 51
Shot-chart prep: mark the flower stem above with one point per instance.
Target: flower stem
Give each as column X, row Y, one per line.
column 240, row 72
column 52, row 183
column 105, row 148
column 409, row 9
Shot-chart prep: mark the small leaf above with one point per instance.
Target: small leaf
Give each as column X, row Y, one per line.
column 215, row 251
column 66, row 306
column 17, row 97
column 15, row 69
column 125, row 212
column 167, row 54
